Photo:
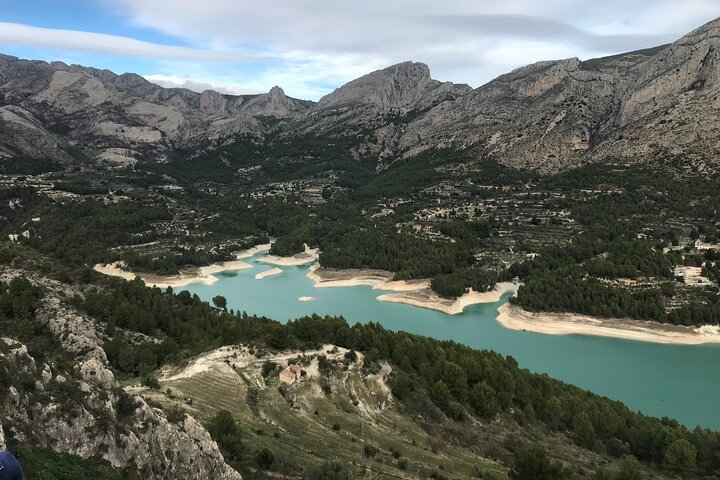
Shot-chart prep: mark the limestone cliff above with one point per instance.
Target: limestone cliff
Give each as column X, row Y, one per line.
column 85, row 412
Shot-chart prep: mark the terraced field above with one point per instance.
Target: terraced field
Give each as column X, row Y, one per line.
column 336, row 416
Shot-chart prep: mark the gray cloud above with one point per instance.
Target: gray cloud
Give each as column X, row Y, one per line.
column 169, row 81
column 312, row 46
column 544, row 29
column 462, row 40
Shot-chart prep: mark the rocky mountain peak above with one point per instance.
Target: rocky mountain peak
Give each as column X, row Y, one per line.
column 274, row 104
column 212, row 102
column 535, row 79
column 397, row 86
column 277, row 93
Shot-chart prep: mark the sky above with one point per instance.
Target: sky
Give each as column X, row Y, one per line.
column 310, row 47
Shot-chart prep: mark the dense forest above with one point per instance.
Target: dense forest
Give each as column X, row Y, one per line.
column 564, row 280
column 629, row 214
column 402, row 253
column 625, row 238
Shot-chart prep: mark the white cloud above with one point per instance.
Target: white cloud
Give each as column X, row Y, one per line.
column 302, row 75
column 27, row 35
column 199, row 84
column 467, row 41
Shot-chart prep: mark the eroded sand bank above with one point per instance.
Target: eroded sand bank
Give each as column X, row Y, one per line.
column 426, row 298
column 191, row 276
column 268, row 273
column 202, row 275
column 515, row 318
column 310, row 255
column 410, row 292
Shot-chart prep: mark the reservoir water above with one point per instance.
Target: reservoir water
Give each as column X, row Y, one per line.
column 678, row 381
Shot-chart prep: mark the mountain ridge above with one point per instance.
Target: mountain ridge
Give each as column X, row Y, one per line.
column 548, row 116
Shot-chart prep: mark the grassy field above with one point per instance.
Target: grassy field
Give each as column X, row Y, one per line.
column 320, row 417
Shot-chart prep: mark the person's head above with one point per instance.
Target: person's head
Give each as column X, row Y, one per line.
column 10, row 468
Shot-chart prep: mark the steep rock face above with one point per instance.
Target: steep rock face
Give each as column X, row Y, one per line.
column 551, row 116
column 85, row 412
column 541, row 116
column 688, row 65
column 212, row 103
column 398, row 86
column 2, row 437
column 669, row 108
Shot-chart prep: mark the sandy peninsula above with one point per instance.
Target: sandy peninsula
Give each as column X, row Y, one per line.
column 192, row 276
column 426, row 298
column 310, row 255
column 410, row 292
column 268, row 273
column 329, row 277
column 515, row 318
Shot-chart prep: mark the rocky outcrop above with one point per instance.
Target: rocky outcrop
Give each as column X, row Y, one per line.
column 398, row 86
column 274, row 104
column 83, row 411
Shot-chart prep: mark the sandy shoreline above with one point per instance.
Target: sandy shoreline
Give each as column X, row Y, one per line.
column 247, row 253
column 202, row 275
column 426, row 298
column 410, row 292
column 419, row 294
column 268, row 273
column 515, row 318
column 310, row 255
column 192, row 276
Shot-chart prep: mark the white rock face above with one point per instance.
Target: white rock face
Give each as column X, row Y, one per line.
column 81, row 414
column 398, row 86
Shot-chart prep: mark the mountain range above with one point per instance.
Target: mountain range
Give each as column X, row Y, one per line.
column 550, row 116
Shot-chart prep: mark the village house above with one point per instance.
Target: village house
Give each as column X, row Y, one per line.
column 291, row 374
column 706, row 246
column 688, row 271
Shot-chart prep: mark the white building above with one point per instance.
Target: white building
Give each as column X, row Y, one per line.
column 688, row 271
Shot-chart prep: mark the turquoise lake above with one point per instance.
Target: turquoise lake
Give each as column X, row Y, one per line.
column 678, row 381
